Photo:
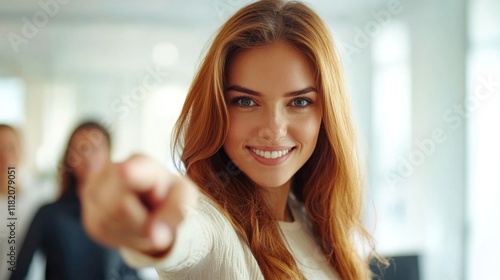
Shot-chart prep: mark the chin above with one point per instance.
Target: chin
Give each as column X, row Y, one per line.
column 271, row 182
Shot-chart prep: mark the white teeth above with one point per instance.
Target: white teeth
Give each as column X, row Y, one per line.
column 270, row 154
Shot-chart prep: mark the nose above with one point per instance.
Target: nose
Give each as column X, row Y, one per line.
column 274, row 126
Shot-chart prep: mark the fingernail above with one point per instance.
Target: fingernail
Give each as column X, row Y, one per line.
column 162, row 234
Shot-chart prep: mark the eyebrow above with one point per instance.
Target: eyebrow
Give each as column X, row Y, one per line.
column 255, row 93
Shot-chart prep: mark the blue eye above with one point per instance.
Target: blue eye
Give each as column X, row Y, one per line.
column 301, row 102
column 244, row 102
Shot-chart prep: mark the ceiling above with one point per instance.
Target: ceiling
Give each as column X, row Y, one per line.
column 101, row 39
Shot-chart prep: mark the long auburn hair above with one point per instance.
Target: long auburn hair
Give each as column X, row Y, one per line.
column 329, row 184
column 68, row 180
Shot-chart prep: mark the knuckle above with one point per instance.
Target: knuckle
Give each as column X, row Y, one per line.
column 92, row 228
column 121, row 211
column 125, row 170
column 99, row 231
column 177, row 215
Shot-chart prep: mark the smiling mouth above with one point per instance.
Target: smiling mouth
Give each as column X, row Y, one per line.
column 270, row 154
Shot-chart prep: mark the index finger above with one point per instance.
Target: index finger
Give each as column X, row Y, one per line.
column 147, row 177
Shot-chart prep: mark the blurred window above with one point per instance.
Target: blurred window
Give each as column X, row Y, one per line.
column 12, row 96
column 391, row 124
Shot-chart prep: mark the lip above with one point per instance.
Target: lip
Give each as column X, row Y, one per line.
column 273, row 148
column 270, row 161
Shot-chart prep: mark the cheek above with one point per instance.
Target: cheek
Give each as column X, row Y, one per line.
column 239, row 130
column 307, row 130
column 99, row 160
column 79, row 167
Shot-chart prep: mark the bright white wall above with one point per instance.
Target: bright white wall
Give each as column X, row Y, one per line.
column 483, row 136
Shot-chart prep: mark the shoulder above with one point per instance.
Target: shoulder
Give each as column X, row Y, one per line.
column 209, row 213
column 208, row 207
column 211, row 227
column 47, row 209
column 47, row 213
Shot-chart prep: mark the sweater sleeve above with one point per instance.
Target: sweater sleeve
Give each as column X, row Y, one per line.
column 194, row 239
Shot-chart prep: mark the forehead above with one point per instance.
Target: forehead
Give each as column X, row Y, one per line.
column 7, row 135
column 89, row 135
column 274, row 67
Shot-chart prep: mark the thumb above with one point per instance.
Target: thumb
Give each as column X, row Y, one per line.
column 181, row 199
column 147, row 177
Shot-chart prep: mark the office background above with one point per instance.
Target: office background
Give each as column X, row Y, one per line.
column 423, row 76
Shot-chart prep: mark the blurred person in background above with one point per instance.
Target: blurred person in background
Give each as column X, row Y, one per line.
column 20, row 197
column 56, row 230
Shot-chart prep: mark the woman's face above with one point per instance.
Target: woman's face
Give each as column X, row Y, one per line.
column 88, row 152
column 275, row 113
column 9, row 149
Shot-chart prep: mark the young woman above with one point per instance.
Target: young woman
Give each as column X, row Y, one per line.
column 56, row 229
column 266, row 136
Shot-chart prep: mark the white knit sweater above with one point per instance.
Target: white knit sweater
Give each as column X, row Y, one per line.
column 207, row 247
